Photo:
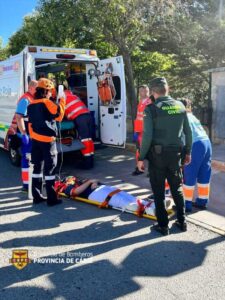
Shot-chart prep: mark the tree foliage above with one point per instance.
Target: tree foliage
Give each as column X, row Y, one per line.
column 179, row 39
column 3, row 51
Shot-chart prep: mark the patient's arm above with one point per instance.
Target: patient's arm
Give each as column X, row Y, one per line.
column 80, row 189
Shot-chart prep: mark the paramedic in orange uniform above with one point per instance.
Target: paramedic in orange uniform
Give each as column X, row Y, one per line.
column 43, row 114
column 78, row 112
column 138, row 122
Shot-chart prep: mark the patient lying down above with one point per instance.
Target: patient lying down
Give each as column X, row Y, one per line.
column 105, row 195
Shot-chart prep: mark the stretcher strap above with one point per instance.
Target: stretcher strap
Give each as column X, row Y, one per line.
column 140, row 209
column 105, row 203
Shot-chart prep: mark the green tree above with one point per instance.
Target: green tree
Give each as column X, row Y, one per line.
column 172, row 38
column 3, row 51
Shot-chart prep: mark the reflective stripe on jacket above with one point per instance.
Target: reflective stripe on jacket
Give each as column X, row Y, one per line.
column 74, row 106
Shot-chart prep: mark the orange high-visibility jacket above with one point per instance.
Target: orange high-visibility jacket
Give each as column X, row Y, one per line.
column 26, row 95
column 43, row 114
column 138, row 122
column 74, row 106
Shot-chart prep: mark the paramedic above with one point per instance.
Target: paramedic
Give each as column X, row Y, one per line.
column 22, row 123
column 78, row 112
column 43, row 114
column 138, row 122
column 199, row 170
column 164, row 123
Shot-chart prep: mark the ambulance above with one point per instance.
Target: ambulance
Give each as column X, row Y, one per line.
column 86, row 75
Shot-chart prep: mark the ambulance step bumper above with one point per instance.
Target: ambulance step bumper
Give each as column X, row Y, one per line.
column 74, row 146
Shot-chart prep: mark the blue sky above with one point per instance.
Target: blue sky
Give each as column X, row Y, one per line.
column 11, row 15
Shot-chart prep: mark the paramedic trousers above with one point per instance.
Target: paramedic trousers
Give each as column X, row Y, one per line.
column 84, row 127
column 198, row 171
column 25, row 149
column 138, row 146
column 44, row 157
column 166, row 165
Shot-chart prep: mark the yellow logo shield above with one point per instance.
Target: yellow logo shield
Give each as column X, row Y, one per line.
column 20, row 258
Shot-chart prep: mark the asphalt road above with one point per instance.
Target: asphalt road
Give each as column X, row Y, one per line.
column 88, row 253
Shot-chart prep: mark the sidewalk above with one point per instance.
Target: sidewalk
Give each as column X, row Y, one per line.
column 214, row 217
column 218, row 161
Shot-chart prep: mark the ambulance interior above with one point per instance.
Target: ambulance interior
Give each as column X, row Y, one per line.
column 78, row 75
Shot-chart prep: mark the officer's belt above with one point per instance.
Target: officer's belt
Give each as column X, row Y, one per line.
column 172, row 148
column 160, row 148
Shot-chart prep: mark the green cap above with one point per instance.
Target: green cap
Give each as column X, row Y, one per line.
column 157, row 82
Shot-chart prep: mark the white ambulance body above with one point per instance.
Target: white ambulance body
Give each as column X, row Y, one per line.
column 37, row 61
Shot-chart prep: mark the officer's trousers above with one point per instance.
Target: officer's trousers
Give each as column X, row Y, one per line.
column 161, row 167
column 44, row 158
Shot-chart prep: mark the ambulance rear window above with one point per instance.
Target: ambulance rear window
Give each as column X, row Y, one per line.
column 117, row 84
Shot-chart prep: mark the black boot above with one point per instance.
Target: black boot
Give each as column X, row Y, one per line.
column 39, row 200
column 37, row 191
column 161, row 229
column 137, row 172
column 182, row 226
column 51, row 194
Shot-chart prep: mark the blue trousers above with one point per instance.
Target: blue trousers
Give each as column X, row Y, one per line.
column 199, row 170
column 25, row 149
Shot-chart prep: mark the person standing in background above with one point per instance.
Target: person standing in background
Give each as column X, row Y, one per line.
column 144, row 100
column 78, row 112
column 199, row 170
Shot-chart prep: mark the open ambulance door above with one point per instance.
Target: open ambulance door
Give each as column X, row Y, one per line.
column 30, row 72
column 112, row 115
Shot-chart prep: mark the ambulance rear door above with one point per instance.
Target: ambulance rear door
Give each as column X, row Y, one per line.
column 112, row 116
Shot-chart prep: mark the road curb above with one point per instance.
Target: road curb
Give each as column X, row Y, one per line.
column 206, row 226
column 216, row 164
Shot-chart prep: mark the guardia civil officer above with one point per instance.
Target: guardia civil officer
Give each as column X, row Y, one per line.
column 43, row 114
column 165, row 121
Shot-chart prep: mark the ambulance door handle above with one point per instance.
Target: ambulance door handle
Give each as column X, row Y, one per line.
column 111, row 110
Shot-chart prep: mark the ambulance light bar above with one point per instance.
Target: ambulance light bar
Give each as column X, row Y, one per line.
column 65, row 56
column 76, row 51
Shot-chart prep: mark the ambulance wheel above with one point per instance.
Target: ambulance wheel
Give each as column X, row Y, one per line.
column 14, row 156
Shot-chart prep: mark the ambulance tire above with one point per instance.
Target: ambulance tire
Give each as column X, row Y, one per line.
column 14, row 156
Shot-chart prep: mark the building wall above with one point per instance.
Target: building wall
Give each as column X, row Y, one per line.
column 218, row 105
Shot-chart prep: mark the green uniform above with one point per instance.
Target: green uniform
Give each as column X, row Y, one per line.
column 165, row 127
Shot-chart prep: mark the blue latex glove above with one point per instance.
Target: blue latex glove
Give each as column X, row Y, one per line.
column 25, row 139
column 135, row 136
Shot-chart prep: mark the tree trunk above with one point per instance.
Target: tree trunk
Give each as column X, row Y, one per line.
column 131, row 95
